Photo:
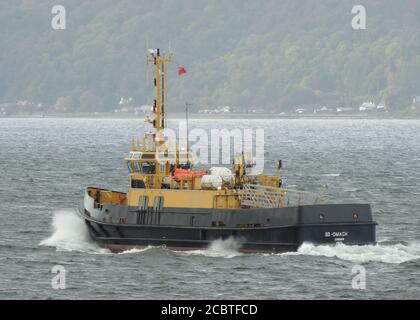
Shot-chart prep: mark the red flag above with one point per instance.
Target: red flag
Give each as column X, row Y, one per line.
column 181, row 71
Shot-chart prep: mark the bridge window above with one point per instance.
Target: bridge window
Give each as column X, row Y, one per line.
column 148, row 156
column 148, row 168
column 134, row 167
column 139, row 184
column 141, row 167
column 135, row 155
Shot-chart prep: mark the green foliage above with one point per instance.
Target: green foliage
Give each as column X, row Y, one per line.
column 272, row 55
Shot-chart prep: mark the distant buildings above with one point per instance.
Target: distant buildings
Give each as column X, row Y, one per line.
column 381, row 107
column 344, row 109
column 221, row 109
column 364, row 107
column 367, row 106
column 321, row 109
column 21, row 106
column 370, row 106
column 125, row 101
column 126, row 105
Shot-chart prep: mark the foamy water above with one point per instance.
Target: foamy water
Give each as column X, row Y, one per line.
column 136, row 250
column 395, row 253
column 331, row 175
column 228, row 248
column 70, row 234
column 382, row 169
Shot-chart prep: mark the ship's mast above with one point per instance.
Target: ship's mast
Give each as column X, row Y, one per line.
column 159, row 104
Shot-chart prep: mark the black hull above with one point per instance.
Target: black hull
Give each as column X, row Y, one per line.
column 295, row 226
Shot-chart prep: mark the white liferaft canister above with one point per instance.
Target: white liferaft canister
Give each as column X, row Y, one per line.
column 211, row 182
column 224, row 173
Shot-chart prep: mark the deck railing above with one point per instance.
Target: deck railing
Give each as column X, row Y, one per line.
column 259, row 196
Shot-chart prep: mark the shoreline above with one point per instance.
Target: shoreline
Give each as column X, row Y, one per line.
column 111, row 115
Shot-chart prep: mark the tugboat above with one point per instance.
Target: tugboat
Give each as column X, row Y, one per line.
column 170, row 204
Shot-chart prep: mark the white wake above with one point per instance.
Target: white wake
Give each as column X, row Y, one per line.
column 70, row 234
column 136, row 250
column 386, row 253
column 227, row 248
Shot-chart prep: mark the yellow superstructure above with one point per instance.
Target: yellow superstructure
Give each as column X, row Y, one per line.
column 163, row 177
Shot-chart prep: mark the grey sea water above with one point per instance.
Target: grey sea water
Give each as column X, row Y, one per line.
column 46, row 163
